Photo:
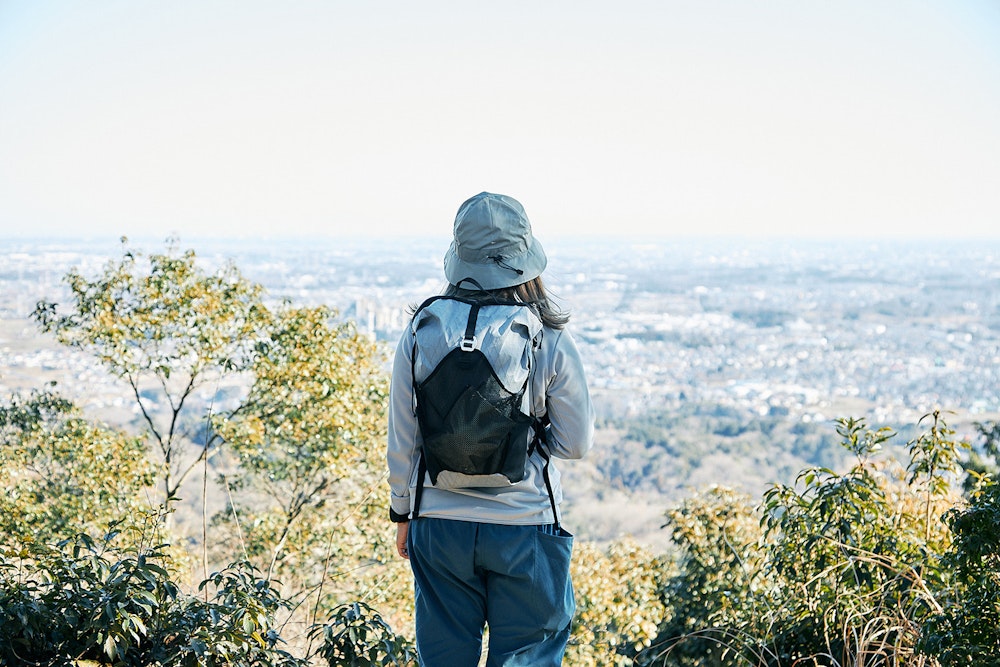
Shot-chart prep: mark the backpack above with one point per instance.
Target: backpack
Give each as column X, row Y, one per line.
column 472, row 365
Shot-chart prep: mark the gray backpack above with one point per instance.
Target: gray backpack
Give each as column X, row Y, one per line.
column 472, row 364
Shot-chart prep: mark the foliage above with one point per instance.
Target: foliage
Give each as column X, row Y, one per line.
column 63, row 474
column 984, row 457
column 89, row 599
column 358, row 636
column 852, row 554
column 967, row 630
column 167, row 328
column 297, row 399
column 309, row 442
column 308, row 436
column 934, row 456
column 718, row 585
column 306, row 429
column 851, row 567
column 845, row 571
column 618, row 608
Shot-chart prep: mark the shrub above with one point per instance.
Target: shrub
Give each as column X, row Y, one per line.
column 967, row 630
column 358, row 636
column 63, row 474
column 847, row 568
column 715, row 590
column 86, row 599
column 618, row 605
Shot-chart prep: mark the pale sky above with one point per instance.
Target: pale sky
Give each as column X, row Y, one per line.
column 330, row 117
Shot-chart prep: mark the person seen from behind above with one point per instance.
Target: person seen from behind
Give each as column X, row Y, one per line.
column 494, row 555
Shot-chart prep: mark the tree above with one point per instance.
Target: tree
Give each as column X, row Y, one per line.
column 309, row 441
column 295, row 398
column 64, row 475
column 167, row 328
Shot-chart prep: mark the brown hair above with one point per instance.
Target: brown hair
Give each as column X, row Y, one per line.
column 532, row 292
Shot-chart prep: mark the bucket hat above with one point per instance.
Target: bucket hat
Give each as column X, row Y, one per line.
column 493, row 246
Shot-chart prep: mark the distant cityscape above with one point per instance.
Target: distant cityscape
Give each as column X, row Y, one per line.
column 801, row 329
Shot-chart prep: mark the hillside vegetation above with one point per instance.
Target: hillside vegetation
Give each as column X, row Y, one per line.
column 882, row 549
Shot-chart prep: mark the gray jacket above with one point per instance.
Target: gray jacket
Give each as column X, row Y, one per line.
column 558, row 389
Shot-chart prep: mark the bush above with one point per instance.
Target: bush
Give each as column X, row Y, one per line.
column 358, row 636
column 618, row 606
column 713, row 593
column 63, row 474
column 847, row 568
column 967, row 630
column 86, row 599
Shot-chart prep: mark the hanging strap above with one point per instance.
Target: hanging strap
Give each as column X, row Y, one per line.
column 537, row 444
column 419, row 491
column 421, row 464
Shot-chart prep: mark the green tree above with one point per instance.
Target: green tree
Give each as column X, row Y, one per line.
column 63, row 474
column 168, row 329
column 293, row 397
column 309, row 440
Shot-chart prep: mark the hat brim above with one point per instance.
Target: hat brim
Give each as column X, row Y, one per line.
column 493, row 275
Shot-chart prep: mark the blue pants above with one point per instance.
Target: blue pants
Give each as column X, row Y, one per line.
column 513, row 579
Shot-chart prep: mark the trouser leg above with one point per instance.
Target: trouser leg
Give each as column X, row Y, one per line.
column 529, row 595
column 450, row 595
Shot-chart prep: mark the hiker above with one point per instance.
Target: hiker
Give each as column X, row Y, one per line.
column 486, row 546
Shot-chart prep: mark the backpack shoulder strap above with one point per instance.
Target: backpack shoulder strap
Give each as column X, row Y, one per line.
column 468, row 344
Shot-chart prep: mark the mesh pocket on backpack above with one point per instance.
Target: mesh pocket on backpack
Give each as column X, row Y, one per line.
column 470, row 424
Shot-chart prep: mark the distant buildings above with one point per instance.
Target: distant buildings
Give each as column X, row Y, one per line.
column 807, row 331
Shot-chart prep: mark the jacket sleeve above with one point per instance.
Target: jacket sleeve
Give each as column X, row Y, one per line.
column 403, row 431
column 567, row 400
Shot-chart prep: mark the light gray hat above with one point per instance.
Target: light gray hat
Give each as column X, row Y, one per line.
column 493, row 245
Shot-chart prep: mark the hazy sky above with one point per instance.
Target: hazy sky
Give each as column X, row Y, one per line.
column 274, row 119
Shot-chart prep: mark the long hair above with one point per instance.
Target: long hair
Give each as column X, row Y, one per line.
column 532, row 292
